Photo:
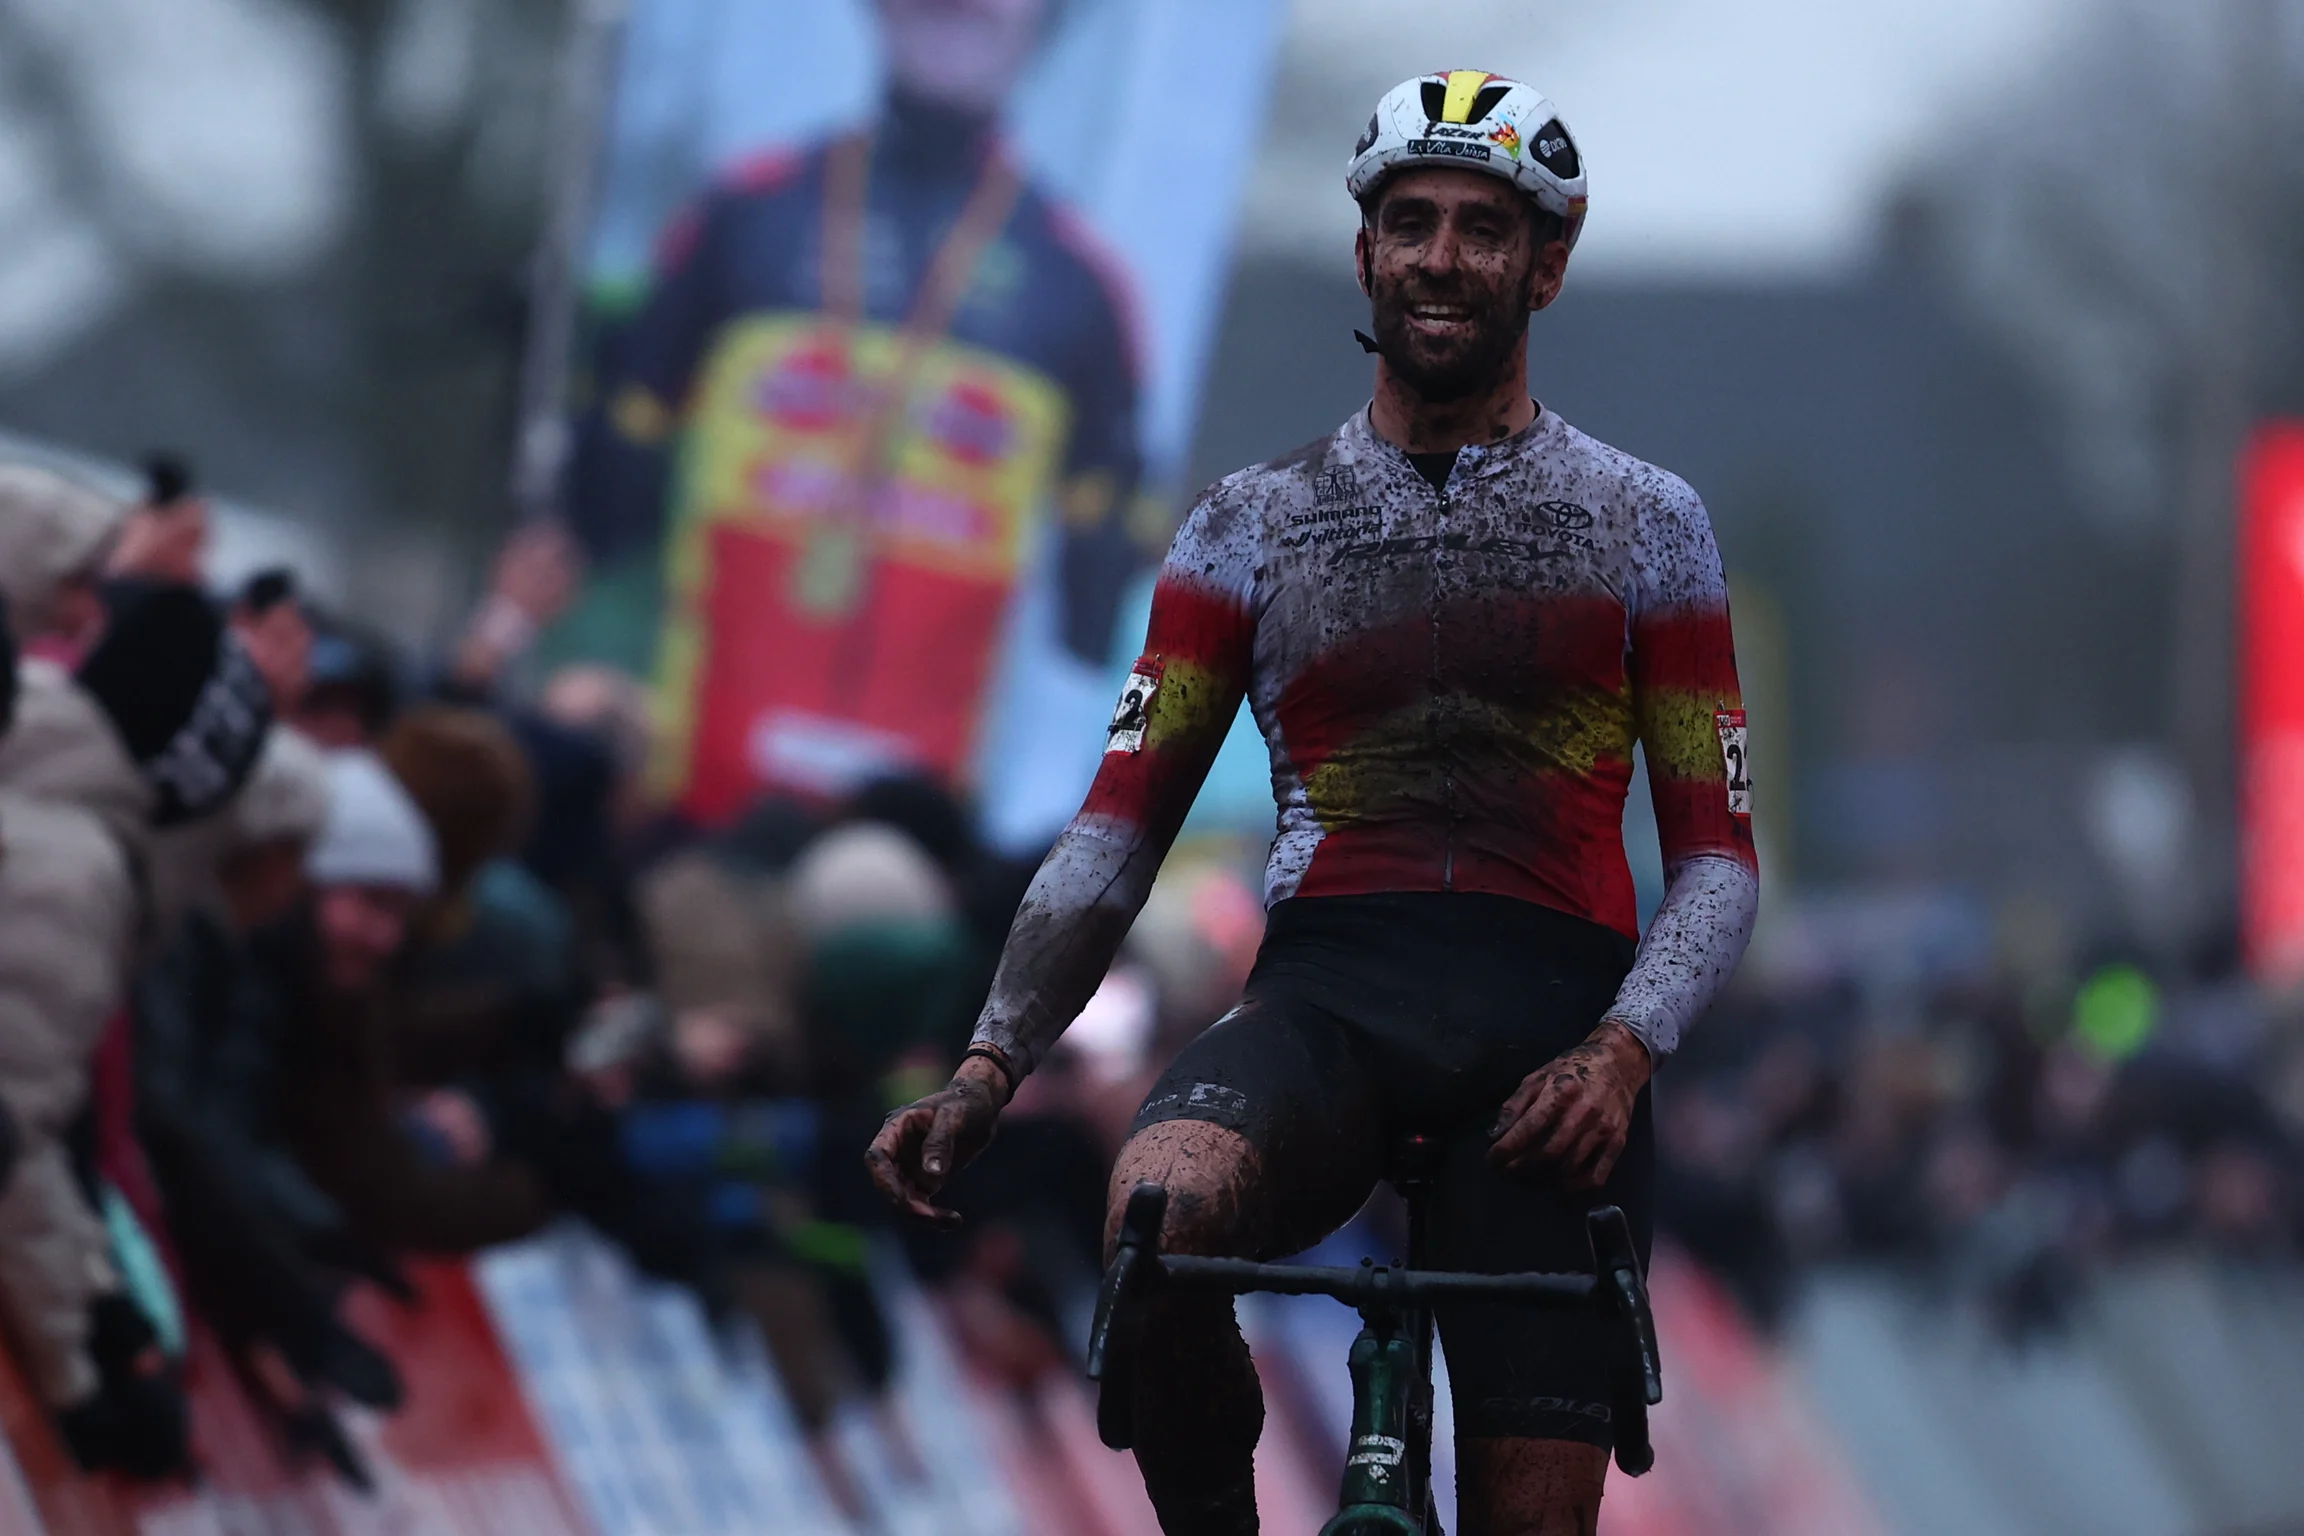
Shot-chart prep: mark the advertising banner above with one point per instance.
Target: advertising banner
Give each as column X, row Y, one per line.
column 901, row 311
column 2271, row 583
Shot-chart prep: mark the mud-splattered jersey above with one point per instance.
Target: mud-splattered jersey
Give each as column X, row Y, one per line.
column 1451, row 682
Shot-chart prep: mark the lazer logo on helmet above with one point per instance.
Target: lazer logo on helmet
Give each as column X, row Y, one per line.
column 1450, row 131
column 1448, row 149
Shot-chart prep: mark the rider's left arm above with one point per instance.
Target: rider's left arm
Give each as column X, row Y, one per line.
column 1689, row 710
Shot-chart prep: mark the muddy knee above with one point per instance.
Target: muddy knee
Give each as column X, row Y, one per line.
column 1210, row 1174
column 1198, row 1408
column 1515, row 1487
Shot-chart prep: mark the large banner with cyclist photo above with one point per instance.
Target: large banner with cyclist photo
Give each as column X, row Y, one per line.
column 901, row 310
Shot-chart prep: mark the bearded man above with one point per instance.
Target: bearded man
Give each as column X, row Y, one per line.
column 1454, row 618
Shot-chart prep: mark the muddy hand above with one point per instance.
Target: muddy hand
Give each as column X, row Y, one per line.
column 1569, row 1118
column 925, row 1143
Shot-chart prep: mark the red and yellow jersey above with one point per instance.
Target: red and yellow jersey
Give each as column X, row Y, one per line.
column 1451, row 682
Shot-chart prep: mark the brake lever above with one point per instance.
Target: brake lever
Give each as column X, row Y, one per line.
column 1617, row 1264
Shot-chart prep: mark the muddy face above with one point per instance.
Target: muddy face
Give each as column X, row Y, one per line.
column 1451, row 263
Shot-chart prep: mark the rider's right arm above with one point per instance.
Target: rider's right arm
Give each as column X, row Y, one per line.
column 1175, row 713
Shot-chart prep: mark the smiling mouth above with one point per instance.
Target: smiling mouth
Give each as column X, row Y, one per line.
column 1440, row 319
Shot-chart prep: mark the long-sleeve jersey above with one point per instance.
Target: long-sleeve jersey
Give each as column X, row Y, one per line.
column 1451, row 683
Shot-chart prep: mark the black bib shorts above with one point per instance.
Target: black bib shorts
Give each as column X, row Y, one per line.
column 1367, row 1017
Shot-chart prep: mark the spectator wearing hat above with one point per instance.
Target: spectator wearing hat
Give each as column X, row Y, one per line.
column 335, row 978
column 261, row 1249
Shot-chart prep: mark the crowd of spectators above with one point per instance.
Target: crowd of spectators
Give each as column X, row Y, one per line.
column 1996, row 1134
column 315, row 956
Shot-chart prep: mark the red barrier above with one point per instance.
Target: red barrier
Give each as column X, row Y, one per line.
column 463, row 1456
column 52, row 1495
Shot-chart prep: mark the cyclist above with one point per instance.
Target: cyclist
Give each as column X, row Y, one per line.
column 1453, row 618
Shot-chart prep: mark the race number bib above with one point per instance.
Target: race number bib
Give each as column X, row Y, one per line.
column 1733, row 756
column 1134, row 711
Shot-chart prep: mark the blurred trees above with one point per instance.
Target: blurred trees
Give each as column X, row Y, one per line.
column 289, row 236
column 2132, row 224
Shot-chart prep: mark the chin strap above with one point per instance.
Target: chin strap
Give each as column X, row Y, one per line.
column 1367, row 342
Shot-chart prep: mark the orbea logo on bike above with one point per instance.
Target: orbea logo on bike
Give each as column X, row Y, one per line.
column 1377, row 1451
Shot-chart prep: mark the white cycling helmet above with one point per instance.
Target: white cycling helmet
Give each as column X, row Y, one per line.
column 1474, row 121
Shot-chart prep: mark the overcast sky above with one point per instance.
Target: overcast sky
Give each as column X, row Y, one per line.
column 1747, row 138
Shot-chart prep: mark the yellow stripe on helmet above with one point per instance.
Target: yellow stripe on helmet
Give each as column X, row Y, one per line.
column 1463, row 86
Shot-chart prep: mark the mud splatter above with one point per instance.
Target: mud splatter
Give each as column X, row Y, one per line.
column 1450, row 684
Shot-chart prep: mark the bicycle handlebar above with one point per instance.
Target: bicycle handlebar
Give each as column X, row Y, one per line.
column 1377, row 1285
column 1617, row 1287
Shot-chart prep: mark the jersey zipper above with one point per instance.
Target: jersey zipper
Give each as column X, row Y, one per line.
column 1439, row 748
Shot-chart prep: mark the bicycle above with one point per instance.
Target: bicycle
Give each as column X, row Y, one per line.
column 1388, row 1468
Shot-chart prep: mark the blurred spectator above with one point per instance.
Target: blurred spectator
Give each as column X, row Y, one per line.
column 270, row 622
column 533, row 583
column 261, row 1249
column 165, row 538
column 491, row 974
column 329, row 1004
column 352, row 691
column 159, row 726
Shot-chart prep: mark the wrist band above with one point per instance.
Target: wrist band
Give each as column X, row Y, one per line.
column 992, row 1055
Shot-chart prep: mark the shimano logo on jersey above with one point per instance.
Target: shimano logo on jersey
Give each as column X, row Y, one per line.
column 1449, row 149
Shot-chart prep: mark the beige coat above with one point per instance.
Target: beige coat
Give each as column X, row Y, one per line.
column 73, row 812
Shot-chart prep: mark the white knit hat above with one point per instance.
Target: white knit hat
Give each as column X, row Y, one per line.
column 374, row 835
column 865, row 872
